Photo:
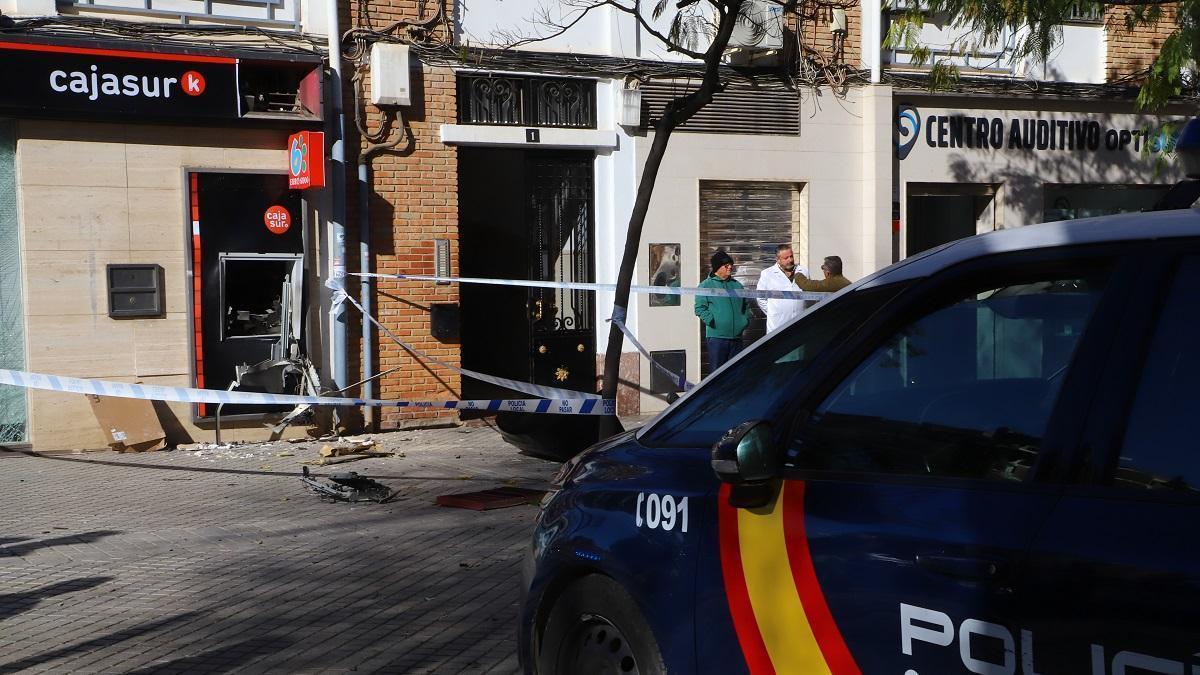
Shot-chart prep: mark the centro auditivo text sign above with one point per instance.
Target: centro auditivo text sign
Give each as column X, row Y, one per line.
column 100, row 83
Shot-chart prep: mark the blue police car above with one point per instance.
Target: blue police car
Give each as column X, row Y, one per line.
column 979, row 460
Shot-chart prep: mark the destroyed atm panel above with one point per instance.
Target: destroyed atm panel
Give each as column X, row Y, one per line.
column 248, row 256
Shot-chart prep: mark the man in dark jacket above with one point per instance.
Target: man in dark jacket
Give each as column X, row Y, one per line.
column 833, row 281
column 724, row 317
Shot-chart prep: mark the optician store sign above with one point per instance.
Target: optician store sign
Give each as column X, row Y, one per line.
column 1074, row 133
column 107, row 83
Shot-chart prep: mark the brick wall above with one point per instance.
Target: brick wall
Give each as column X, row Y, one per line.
column 1130, row 52
column 814, row 33
column 414, row 201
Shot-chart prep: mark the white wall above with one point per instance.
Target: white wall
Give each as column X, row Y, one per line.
column 616, row 175
column 602, row 31
column 835, row 158
column 28, row 8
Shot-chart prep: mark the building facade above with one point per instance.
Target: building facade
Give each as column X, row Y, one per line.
column 149, row 231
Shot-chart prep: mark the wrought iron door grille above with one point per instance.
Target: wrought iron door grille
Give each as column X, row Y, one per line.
column 561, row 205
column 526, row 101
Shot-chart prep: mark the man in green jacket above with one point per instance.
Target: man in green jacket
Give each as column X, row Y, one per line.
column 724, row 317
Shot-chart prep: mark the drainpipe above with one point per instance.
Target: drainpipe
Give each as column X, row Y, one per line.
column 337, row 215
column 364, row 284
column 872, row 38
column 364, row 241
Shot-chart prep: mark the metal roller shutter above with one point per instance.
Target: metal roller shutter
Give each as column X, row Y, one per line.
column 748, row 220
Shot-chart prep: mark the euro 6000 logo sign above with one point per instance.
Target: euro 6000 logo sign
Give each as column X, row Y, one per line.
column 306, row 160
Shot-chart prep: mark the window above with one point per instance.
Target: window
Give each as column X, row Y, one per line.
column 1067, row 202
column 766, row 379
column 12, row 313
column 965, row 391
column 260, row 295
column 514, row 100
column 1159, row 450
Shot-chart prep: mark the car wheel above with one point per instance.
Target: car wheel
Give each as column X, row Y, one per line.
column 595, row 628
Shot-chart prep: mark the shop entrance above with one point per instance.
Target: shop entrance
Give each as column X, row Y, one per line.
column 748, row 220
column 527, row 215
column 939, row 213
column 248, row 268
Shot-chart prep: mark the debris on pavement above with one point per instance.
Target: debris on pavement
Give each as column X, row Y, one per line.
column 495, row 498
column 348, row 487
column 347, row 446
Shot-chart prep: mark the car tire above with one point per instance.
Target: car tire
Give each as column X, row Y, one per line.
column 596, row 627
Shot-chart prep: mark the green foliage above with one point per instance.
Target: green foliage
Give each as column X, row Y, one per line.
column 1035, row 28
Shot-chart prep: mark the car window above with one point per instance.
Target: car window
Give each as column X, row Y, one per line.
column 1158, row 451
column 767, row 378
column 964, row 391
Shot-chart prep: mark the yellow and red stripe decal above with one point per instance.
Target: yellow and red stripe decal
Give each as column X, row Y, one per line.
column 782, row 622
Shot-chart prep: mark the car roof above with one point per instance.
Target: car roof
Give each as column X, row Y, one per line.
column 1122, row 227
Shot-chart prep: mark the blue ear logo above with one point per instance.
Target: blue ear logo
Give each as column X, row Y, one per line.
column 908, row 129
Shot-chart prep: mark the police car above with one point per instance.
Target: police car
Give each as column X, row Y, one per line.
column 979, row 460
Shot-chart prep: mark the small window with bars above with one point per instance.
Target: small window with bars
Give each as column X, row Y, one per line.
column 512, row 100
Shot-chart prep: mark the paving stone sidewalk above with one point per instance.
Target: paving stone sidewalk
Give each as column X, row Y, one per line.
column 221, row 560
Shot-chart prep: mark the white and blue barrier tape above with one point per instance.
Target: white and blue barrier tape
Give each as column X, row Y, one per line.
column 580, row 286
column 556, row 406
column 618, row 318
column 515, row 385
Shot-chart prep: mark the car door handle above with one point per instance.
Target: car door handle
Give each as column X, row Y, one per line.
column 958, row 566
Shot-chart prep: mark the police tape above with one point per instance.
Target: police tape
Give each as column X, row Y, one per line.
column 562, row 406
column 516, row 385
column 618, row 319
column 580, row 286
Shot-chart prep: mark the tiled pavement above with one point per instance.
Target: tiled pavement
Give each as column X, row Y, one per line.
column 222, row 561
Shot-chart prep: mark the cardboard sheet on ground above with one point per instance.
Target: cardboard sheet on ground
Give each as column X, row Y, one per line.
column 129, row 424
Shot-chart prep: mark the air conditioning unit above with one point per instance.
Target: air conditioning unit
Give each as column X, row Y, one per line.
column 760, row 29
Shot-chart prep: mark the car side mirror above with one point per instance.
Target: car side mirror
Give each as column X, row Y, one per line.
column 745, row 458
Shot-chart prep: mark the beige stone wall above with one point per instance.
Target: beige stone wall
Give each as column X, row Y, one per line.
column 94, row 194
column 1132, row 52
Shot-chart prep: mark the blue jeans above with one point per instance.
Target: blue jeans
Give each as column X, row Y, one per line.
column 721, row 350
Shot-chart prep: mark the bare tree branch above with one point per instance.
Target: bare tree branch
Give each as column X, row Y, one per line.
column 512, row 40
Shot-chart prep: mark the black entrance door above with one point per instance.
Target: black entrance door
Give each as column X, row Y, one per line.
column 527, row 215
column 562, row 337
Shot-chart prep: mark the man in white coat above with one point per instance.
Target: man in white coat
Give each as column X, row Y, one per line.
column 778, row 277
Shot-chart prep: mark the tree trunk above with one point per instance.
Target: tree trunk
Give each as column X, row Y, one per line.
column 676, row 113
column 633, row 240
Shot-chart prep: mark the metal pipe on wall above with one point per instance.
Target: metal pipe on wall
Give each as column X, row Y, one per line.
column 337, row 215
column 364, row 284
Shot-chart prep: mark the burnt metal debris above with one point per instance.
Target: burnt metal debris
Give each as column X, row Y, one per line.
column 348, row 487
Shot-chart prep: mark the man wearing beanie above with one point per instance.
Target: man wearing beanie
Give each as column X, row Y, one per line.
column 724, row 317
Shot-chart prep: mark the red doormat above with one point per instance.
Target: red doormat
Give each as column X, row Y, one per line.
column 495, row 498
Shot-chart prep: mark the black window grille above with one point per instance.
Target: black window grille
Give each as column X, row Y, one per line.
column 526, row 101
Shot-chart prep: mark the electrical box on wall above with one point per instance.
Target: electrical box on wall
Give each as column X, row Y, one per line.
column 444, row 321
column 135, row 291
column 390, row 78
column 675, row 361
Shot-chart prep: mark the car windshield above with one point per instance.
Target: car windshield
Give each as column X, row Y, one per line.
column 765, row 379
